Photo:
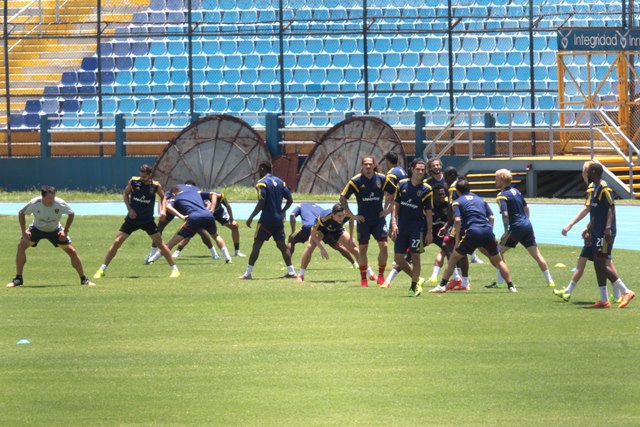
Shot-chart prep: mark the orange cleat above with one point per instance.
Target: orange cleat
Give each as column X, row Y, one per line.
column 626, row 299
column 600, row 304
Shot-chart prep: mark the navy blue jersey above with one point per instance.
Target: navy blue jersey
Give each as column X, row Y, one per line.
column 433, row 182
column 440, row 215
column 511, row 201
column 190, row 203
column 413, row 201
column 473, row 211
column 395, row 174
column 272, row 190
column 601, row 199
column 452, row 193
column 308, row 213
column 142, row 198
column 369, row 193
column 326, row 223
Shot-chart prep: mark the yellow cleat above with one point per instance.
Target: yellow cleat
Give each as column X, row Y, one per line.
column 174, row 274
column 99, row 274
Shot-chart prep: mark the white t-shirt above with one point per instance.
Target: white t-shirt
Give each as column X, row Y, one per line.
column 46, row 218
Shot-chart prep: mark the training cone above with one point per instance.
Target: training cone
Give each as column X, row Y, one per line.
column 560, row 265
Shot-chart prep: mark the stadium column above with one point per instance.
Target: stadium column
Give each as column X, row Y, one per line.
column 419, row 133
column 273, row 134
column 45, row 137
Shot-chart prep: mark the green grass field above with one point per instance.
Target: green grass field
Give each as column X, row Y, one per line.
column 209, row 349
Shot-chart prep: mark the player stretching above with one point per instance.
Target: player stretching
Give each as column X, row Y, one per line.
column 329, row 228
column 601, row 232
column 47, row 210
column 271, row 191
column 138, row 196
column 473, row 230
column 369, row 187
column 517, row 226
column 410, row 214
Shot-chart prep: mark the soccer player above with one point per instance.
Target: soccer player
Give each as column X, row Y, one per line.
column 410, row 214
column 139, row 196
column 189, row 207
column 162, row 224
column 436, row 177
column 601, row 232
column 47, row 210
column 440, row 213
column 329, row 228
column 473, row 229
column 369, row 187
column 223, row 213
column 517, row 226
column 394, row 174
column 586, row 254
column 271, row 191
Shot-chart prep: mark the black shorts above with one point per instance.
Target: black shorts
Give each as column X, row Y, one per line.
column 52, row 236
column 129, row 226
column 301, row 236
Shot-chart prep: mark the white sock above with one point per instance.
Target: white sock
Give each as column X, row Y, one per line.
column 570, row 287
column 465, row 282
column 153, row 251
column 291, row 270
column 370, row 271
column 456, row 274
column 603, row 293
column 499, row 278
column 174, row 267
column 436, row 271
column 302, row 271
column 213, row 251
column 620, row 287
column 249, row 270
column 103, row 267
column 547, row 275
column 392, row 275
column 355, row 264
column 225, row 253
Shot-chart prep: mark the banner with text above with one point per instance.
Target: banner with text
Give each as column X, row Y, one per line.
column 603, row 39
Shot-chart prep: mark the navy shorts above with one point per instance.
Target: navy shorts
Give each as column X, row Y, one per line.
column 600, row 248
column 409, row 241
column 129, row 226
column 301, row 236
column 525, row 236
column 372, row 227
column 221, row 216
column 473, row 239
column 52, row 236
column 331, row 238
column 193, row 225
column 587, row 252
column 266, row 231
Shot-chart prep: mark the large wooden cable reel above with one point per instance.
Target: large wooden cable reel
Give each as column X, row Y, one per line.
column 337, row 156
column 215, row 151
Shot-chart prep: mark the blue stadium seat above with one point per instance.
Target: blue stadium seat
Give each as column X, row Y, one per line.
column 142, row 63
column 157, row 5
column 69, row 78
column 161, row 63
column 106, row 49
column 161, row 77
column 16, row 121
column 89, row 63
column 180, row 62
column 87, row 90
column 139, row 48
column 201, row 104
column 216, row 62
column 142, row 77
column 50, row 106
column 236, row 104
column 158, row 48
column 219, row 104
column 33, row 106
column 124, row 63
column 107, row 63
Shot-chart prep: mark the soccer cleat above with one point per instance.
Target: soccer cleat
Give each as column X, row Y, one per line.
column 454, row 283
column 433, row 279
column 228, row 261
column 380, row 280
column 87, row 282
column 147, row 260
column 14, row 283
column 600, row 304
column 551, row 284
column 385, row 285
column 245, row 276
column 438, row 290
column 239, row 254
column 418, row 290
column 99, row 274
column 411, row 293
column 364, row 283
column 513, row 290
column 300, row 279
column 174, row 274
column 215, row 256
column 290, row 276
column 175, row 254
column 373, row 277
column 461, row 288
column 560, row 293
column 475, row 259
column 614, row 300
column 626, row 299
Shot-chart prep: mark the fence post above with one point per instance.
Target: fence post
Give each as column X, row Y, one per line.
column 120, row 135
column 419, row 133
column 272, row 134
column 489, row 137
column 45, row 136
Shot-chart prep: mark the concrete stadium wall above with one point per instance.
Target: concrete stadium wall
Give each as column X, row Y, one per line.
column 72, row 173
